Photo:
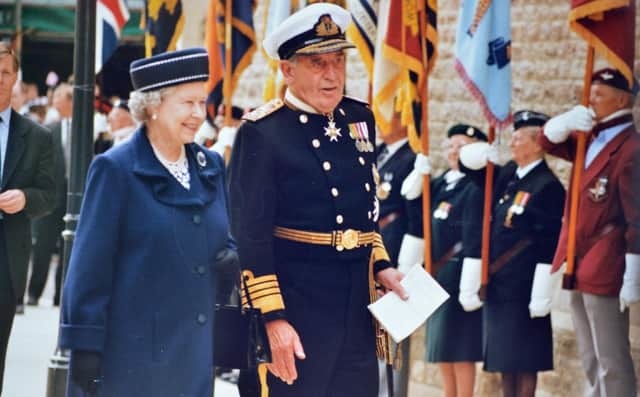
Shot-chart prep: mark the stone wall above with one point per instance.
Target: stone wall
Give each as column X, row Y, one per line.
column 548, row 66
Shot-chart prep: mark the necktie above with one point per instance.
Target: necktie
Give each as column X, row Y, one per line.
column 382, row 156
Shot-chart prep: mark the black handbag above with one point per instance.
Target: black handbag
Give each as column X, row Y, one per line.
column 240, row 337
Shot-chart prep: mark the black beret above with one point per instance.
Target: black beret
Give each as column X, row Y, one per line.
column 613, row 78
column 528, row 118
column 467, row 130
column 169, row 68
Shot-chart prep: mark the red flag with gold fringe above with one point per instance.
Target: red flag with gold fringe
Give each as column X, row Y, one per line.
column 608, row 26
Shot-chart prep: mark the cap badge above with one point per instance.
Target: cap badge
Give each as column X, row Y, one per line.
column 326, row 26
column 525, row 116
column 606, row 76
column 470, row 131
column 202, row 160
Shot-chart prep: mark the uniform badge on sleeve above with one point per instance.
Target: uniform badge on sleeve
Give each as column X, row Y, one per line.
column 599, row 192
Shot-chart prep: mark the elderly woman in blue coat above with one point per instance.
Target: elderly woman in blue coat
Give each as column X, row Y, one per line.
column 138, row 301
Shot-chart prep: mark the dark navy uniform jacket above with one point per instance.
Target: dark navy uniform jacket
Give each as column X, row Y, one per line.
column 539, row 222
column 140, row 288
column 393, row 172
column 285, row 172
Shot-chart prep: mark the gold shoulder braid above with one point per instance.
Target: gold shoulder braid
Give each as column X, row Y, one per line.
column 264, row 110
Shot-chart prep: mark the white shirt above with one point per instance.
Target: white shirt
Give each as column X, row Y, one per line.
column 605, row 136
column 4, row 136
column 392, row 148
column 523, row 171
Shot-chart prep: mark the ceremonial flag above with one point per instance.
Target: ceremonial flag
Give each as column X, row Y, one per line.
column 213, row 36
column 163, row 22
column 243, row 46
column 111, row 16
column 608, row 26
column 362, row 32
column 277, row 12
column 399, row 64
column 483, row 56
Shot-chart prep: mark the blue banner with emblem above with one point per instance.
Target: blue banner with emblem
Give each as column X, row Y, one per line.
column 483, row 56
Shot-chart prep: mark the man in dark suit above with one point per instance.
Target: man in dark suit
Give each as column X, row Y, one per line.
column 27, row 190
column 395, row 161
column 607, row 275
column 48, row 229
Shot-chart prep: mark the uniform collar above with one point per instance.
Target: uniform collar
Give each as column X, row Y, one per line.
column 298, row 103
column 523, row 171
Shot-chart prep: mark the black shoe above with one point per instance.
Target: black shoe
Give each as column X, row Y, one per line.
column 31, row 301
column 20, row 309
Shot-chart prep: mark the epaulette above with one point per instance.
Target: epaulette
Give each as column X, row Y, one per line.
column 264, row 110
column 357, row 100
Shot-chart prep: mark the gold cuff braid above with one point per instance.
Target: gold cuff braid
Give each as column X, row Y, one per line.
column 264, row 292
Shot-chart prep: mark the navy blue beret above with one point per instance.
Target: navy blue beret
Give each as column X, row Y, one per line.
column 169, row 68
column 467, row 130
column 528, row 118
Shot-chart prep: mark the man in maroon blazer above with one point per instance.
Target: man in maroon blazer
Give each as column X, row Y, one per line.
column 607, row 274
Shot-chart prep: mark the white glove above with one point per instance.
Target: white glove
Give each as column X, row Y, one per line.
column 545, row 286
column 411, row 253
column 206, row 131
column 412, row 185
column 470, row 284
column 630, row 291
column 558, row 128
column 226, row 136
column 475, row 155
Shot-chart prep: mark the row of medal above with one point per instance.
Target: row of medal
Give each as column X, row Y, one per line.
column 360, row 133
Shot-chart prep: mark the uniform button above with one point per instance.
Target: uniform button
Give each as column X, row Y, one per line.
column 367, row 187
column 334, row 192
column 201, row 319
column 361, row 160
column 326, row 166
column 200, row 269
column 339, row 219
column 304, row 118
column 369, row 214
column 315, row 143
column 197, row 219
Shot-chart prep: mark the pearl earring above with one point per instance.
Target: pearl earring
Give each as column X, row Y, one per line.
column 154, row 117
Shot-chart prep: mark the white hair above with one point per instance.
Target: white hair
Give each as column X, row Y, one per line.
column 139, row 103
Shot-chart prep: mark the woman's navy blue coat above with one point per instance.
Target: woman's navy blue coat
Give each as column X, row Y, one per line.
column 140, row 287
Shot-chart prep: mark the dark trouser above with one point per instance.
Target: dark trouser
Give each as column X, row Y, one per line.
column 326, row 303
column 47, row 231
column 7, row 303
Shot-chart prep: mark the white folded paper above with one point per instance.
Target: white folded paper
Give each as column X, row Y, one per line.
column 400, row 318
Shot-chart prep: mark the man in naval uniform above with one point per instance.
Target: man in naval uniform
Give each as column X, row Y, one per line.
column 607, row 274
column 304, row 213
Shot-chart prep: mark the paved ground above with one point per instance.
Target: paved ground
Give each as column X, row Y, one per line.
column 32, row 343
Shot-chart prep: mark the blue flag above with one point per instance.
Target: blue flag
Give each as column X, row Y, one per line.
column 483, row 56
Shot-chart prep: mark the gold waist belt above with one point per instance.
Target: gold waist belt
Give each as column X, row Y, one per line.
column 341, row 239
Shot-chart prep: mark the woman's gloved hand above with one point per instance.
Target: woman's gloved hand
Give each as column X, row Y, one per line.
column 85, row 370
column 227, row 261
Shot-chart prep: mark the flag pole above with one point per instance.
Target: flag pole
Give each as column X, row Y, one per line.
column 568, row 279
column 228, row 73
column 424, row 140
column 486, row 221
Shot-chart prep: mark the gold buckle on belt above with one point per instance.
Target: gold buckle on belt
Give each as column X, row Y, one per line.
column 348, row 239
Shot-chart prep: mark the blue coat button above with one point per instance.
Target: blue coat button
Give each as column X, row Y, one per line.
column 197, row 219
column 201, row 318
column 200, row 269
